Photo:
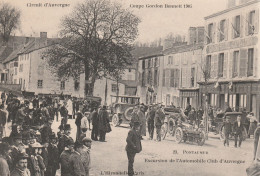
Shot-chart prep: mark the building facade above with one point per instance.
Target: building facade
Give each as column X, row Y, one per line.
column 232, row 55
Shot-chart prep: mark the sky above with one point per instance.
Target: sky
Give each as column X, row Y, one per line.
column 155, row 22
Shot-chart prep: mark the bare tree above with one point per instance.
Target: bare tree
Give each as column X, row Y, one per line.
column 9, row 20
column 97, row 39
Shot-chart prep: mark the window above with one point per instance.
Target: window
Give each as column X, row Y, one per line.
column 156, row 62
column 210, row 33
column 155, row 77
column 76, row 84
column 15, row 71
column 114, row 88
column 220, row 64
column 40, row 83
column 21, row 68
column 235, row 63
column 143, row 64
column 192, row 77
column 40, row 70
column 170, row 60
column 222, row 30
column 62, row 85
column 143, row 79
column 172, row 78
column 250, row 69
column 236, row 26
column 20, row 80
column 208, row 63
column 176, row 78
column 168, row 99
column 149, row 63
column 251, row 23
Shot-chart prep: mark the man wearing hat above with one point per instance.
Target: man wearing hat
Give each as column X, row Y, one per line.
column 53, row 156
column 78, row 124
column 17, row 146
column 102, row 122
column 64, row 138
column 227, row 130
column 133, row 146
column 158, row 122
column 64, row 158
column 21, row 166
column 256, row 142
column 21, row 114
column 84, row 151
column 64, row 113
column 150, row 121
column 94, row 132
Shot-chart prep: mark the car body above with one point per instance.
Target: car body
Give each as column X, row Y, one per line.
column 122, row 108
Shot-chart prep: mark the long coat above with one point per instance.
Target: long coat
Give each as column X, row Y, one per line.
column 69, row 107
column 159, row 118
column 85, row 157
column 65, row 164
column 143, row 123
column 102, row 119
column 133, row 141
column 18, row 172
column 76, row 164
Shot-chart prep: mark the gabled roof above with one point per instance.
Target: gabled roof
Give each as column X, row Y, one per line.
column 5, row 51
column 142, row 52
column 13, row 55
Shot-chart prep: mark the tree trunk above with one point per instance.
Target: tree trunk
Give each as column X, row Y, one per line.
column 87, row 75
column 117, row 91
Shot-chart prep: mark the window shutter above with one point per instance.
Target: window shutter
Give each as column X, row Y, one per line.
column 230, row 65
column 206, row 34
column 255, row 61
column 172, row 78
column 163, row 79
column 242, row 23
column 256, row 21
column 214, row 33
column 243, row 62
column 218, row 32
column 214, row 67
column 247, row 24
column 188, row 77
column 232, row 27
column 226, row 29
column 225, row 66
column 146, row 63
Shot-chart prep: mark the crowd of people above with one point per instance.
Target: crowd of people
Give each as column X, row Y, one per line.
column 34, row 149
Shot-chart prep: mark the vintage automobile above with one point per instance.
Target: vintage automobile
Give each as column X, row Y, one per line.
column 121, row 108
column 233, row 118
column 177, row 125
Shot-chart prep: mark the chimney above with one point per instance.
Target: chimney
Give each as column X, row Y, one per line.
column 43, row 35
column 200, row 34
column 192, row 35
column 231, row 3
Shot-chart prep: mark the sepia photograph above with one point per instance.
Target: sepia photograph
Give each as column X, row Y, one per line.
column 129, row 87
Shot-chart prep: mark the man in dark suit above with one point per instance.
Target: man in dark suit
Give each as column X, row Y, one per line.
column 238, row 130
column 227, row 130
column 133, row 146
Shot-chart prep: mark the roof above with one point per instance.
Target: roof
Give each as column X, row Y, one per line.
column 13, row 55
column 32, row 45
column 183, row 48
column 230, row 9
column 141, row 52
column 5, row 51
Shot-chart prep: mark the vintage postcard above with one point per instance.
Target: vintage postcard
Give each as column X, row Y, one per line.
column 129, row 87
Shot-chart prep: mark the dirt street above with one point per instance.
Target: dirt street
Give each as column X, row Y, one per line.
column 160, row 158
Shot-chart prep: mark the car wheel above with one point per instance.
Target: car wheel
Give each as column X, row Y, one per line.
column 164, row 130
column 202, row 138
column 128, row 113
column 178, row 135
column 115, row 120
column 222, row 133
column 172, row 126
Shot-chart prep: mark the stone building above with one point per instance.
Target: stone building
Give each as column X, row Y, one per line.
column 232, row 55
column 181, row 71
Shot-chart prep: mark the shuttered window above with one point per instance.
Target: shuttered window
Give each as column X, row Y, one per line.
column 210, row 33
column 143, row 78
column 222, row 30
column 220, row 65
column 243, row 63
column 251, row 23
column 250, row 68
column 235, row 63
column 172, row 78
column 155, row 77
column 208, row 63
column 237, row 26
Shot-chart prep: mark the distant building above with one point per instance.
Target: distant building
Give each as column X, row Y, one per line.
column 232, row 55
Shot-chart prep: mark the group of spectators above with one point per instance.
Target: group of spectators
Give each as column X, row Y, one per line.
column 32, row 148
